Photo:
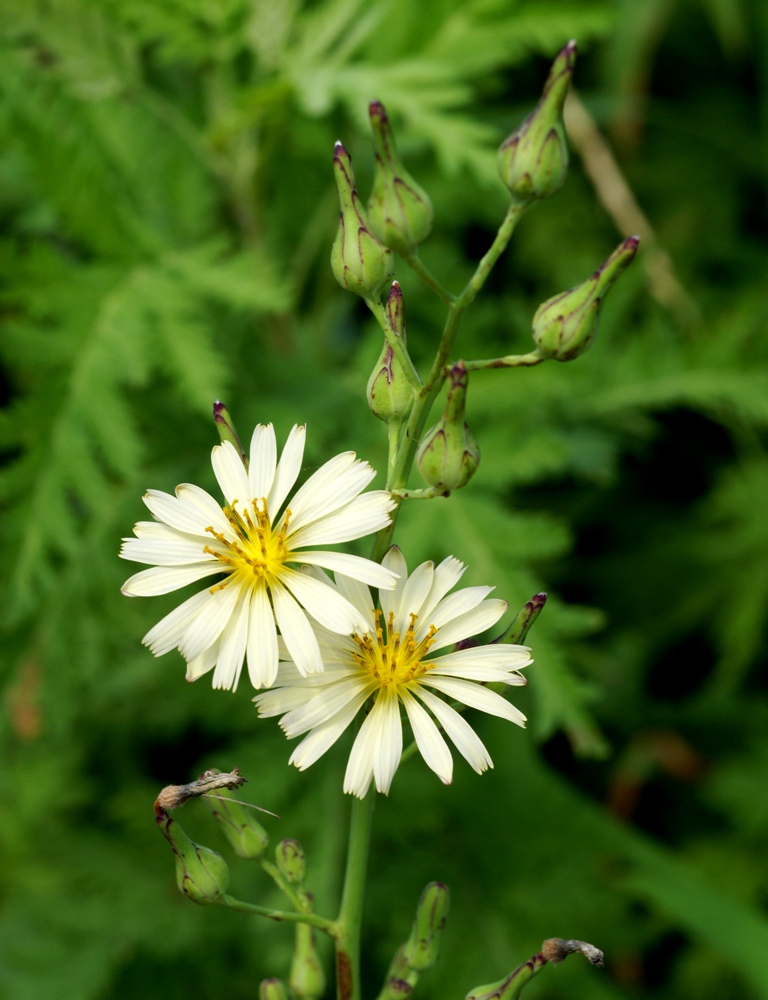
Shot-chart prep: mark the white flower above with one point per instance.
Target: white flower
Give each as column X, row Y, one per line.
column 256, row 547
column 393, row 661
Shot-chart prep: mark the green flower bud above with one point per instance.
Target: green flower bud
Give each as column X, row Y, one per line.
column 306, row 979
column 273, row 989
column 360, row 263
column 565, row 325
column 399, row 210
column 389, row 393
column 448, row 455
column 247, row 836
column 289, row 856
column 533, row 160
column 201, row 874
column 422, row 947
column 226, row 429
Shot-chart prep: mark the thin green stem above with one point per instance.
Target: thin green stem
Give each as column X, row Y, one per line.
column 347, row 927
column 417, row 266
column 509, row 361
column 296, row 896
column 282, row 916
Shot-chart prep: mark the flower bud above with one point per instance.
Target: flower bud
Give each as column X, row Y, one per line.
column 306, row 979
column 247, row 836
column 448, row 455
column 289, row 856
column 565, row 325
column 533, row 160
column 273, row 989
column 360, row 263
column 201, row 874
column 389, row 393
column 399, row 210
column 422, row 947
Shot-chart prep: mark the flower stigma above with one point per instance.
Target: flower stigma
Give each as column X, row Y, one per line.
column 257, row 550
column 392, row 662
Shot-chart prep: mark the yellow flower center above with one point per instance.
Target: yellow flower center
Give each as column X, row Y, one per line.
column 396, row 660
column 257, row 550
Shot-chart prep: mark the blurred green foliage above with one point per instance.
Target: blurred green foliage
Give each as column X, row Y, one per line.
column 167, row 209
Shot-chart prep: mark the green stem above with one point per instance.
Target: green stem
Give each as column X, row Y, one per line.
column 282, row 916
column 417, row 266
column 509, row 361
column 347, row 928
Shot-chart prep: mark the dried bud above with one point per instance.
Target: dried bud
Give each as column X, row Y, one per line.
column 289, row 856
column 360, row 263
column 533, row 160
column 389, row 393
column 399, row 210
column 247, row 836
column 448, row 455
column 201, row 874
column 565, row 325
column 422, row 947
column 306, row 979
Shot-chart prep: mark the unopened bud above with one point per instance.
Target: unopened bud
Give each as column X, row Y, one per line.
column 423, row 946
column 389, row 393
column 533, row 160
column 247, row 836
column 201, row 874
column 565, row 325
column 360, row 263
column 399, row 210
column 289, row 856
column 448, row 455
column 306, row 979
column 273, row 989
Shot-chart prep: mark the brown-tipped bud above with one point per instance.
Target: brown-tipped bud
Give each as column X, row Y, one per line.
column 273, row 989
column 360, row 263
column 201, row 874
column 423, row 946
column 399, row 210
column 246, row 835
column 533, row 160
column 291, row 862
column 226, row 429
column 389, row 393
column 448, row 455
column 565, row 325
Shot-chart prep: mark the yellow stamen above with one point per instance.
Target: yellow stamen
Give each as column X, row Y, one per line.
column 394, row 661
column 257, row 550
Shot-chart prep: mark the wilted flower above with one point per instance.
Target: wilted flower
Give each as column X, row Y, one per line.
column 257, row 548
column 393, row 662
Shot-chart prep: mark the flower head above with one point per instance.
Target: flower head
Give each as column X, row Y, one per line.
column 403, row 657
column 256, row 541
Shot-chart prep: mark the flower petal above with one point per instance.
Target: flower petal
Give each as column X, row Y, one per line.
column 332, row 486
column 164, row 579
column 395, row 562
column 471, row 623
column 429, row 740
column 232, row 644
column 168, row 632
column 210, row 623
column 354, row 567
column 321, row 739
column 324, row 603
column 178, row 551
column 231, row 475
column 288, row 469
column 177, row 513
column 262, row 640
column 463, row 736
column 361, row 516
column 263, row 461
column 296, row 631
column 475, row 696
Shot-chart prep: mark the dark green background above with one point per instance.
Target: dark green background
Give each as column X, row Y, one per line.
column 167, row 209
